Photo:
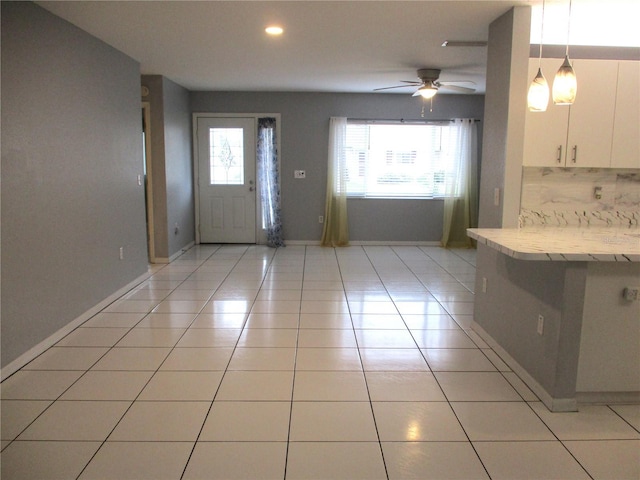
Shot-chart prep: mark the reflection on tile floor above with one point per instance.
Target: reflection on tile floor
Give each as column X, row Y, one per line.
column 245, row 362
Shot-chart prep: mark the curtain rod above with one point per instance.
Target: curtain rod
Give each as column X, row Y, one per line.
column 404, row 121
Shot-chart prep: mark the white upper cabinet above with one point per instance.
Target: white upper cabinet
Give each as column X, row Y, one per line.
column 625, row 149
column 590, row 129
column 582, row 135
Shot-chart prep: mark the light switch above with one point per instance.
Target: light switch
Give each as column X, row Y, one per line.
column 299, row 174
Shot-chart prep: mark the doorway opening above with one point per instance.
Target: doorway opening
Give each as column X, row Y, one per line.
column 148, row 184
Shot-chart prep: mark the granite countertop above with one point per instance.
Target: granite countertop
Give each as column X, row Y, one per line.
column 563, row 244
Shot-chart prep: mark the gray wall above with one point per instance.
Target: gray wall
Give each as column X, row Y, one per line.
column 179, row 166
column 172, row 173
column 503, row 143
column 517, row 292
column 71, row 153
column 304, row 146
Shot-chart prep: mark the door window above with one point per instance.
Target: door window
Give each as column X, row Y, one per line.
column 226, row 156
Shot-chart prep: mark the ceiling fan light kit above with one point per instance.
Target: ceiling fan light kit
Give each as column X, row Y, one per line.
column 429, row 84
column 428, row 91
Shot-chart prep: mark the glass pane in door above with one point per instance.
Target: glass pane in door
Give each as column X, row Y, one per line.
column 226, row 156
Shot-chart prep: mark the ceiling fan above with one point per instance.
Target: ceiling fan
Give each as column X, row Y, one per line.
column 429, row 84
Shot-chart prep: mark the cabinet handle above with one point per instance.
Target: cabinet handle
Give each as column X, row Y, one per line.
column 574, row 153
column 559, row 156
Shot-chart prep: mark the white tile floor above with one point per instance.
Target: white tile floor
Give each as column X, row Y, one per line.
column 302, row 362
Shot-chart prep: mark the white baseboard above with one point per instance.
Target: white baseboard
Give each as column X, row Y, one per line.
column 167, row 260
column 553, row 404
column 41, row 347
column 181, row 251
column 608, row 398
column 367, row 243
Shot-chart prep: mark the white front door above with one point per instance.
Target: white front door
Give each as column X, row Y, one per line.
column 227, row 180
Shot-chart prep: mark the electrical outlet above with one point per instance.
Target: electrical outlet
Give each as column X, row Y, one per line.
column 121, row 253
column 299, row 174
column 176, row 229
column 631, row 294
column 496, row 197
column 597, row 193
column 320, row 219
column 484, row 284
column 540, row 324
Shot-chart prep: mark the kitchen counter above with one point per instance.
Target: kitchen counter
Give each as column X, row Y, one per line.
column 563, row 243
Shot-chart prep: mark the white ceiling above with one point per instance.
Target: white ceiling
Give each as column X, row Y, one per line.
column 327, row 46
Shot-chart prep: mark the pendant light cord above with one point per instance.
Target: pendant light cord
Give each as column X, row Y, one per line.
column 541, row 36
column 568, row 30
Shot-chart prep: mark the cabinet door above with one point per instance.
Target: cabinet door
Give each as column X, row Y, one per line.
column 545, row 134
column 591, row 116
column 625, row 150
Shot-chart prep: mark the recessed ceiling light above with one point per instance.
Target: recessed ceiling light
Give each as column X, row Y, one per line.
column 274, row 30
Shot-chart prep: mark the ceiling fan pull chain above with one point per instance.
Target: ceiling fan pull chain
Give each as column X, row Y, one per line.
column 424, row 100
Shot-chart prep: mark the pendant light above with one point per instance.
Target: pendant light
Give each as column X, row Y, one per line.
column 565, row 84
column 538, row 95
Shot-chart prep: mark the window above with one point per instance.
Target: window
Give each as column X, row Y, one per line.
column 397, row 160
column 226, row 156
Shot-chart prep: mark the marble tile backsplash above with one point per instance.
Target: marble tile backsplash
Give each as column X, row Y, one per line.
column 580, row 197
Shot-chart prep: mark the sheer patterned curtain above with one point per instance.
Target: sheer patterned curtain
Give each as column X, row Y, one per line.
column 269, row 181
column 461, row 188
column 336, row 228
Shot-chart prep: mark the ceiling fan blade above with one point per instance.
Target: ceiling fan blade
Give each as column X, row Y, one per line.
column 397, row 86
column 449, row 82
column 455, row 88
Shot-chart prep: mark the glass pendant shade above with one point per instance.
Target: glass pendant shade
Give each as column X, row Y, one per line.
column 428, row 92
column 565, row 84
column 538, row 96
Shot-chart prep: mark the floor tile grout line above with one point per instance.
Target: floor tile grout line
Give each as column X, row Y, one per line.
column 530, row 403
column 85, row 371
column 204, row 421
column 622, row 418
column 445, row 395
column 558, row 439
column 295, row 360
column 143, row 387
column 523, row 400
column 366, row 383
